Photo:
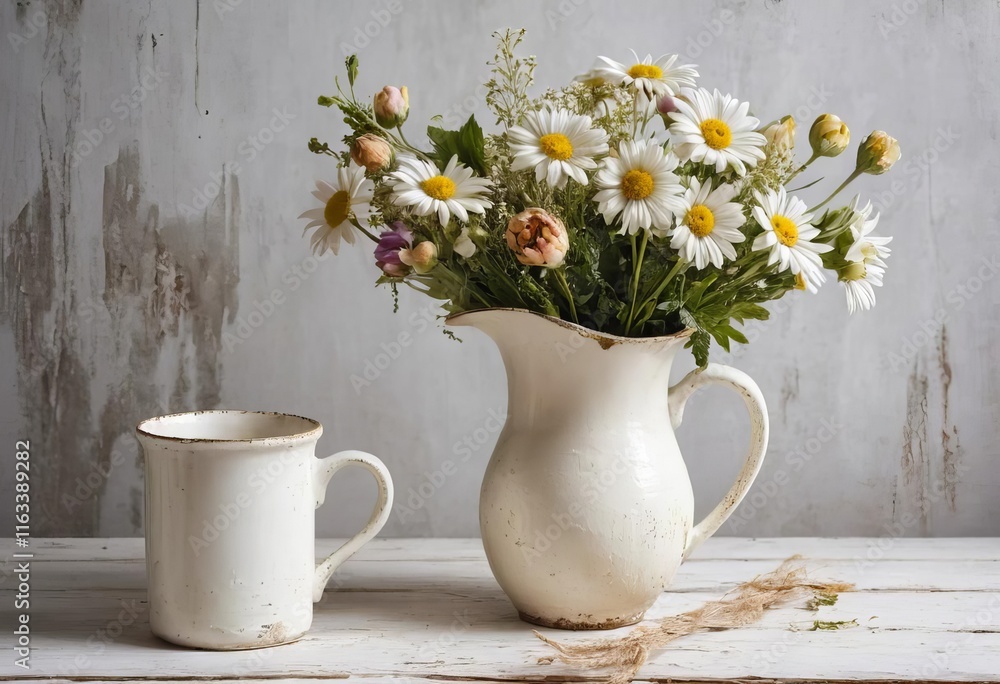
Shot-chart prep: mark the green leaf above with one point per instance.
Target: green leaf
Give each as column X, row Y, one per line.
column 699, row 344
column 324, row 101
column 695, row 294
column 465, row 143
column 735, row 334
column 688, row 319
column 352, row 68
column 833, row 624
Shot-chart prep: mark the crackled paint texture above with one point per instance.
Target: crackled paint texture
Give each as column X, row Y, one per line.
column 154, row 162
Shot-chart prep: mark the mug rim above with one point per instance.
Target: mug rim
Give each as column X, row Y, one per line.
column 311, row 434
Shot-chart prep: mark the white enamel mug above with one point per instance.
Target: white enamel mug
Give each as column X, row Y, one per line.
column 230, row 548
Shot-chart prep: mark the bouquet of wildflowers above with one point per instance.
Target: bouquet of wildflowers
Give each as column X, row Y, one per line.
column 632, row 202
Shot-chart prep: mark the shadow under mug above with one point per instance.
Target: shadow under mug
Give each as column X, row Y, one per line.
column 230, row 527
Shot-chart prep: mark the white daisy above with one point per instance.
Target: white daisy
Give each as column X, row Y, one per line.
column 714, row 129
column 422, row 187
column 344, row 199
column 860, row 280
column 558, row 144
column 708, row 224
column 651, row 78
column 639, row 185
column 868, row 248
column 787, row 234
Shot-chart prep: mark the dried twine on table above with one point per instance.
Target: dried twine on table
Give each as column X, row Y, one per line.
column 740, row 607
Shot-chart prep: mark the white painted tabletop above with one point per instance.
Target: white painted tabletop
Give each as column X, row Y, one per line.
column 427, row 610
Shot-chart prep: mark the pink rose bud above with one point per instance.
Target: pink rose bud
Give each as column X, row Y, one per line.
column 392, row 106
column 538, row 238
column 666, row 105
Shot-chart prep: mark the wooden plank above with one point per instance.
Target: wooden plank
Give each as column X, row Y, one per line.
column 703, row 576
column 410, row 609
column 460, row 550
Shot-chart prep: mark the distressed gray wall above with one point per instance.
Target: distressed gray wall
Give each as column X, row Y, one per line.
column 153, row 163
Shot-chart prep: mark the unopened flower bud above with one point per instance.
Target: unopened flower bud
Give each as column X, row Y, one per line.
column 538, row 238
column 392, row 106
column 387, row 252
column 665, row 106
column 877, row 153
column 781, row 134
column 372, row 152
column 422, row 258
column 829, row 136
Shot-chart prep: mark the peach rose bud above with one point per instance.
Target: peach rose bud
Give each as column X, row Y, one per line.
column 538, row 238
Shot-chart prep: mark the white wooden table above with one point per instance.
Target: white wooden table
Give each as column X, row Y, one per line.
column 429, row 610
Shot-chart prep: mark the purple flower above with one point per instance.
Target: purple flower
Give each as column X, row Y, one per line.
column 387, row 250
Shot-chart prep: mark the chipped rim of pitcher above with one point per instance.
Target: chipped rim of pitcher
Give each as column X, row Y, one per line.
column 312, row 433
column 605, row 339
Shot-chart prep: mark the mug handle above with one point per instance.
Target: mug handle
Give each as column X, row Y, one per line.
column 717, row 374
column 323, row 470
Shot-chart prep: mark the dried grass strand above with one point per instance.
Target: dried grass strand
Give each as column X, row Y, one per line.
column 742, row 606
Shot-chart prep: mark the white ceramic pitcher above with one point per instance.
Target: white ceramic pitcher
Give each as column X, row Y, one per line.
column 586, row 507
column 230, row 547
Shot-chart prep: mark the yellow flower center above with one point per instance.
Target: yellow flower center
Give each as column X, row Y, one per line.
column 854, row 271
column 556, row 146
column 637, row 184
column 716, row 133
column 439, row 187
column 785, row 230
column 700, row 220
column 868, row 251
column 338, row 208
column 800, row 281
column 645, row 71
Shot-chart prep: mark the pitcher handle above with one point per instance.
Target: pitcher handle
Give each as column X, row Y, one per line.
column 717, row 374
column 323, row 470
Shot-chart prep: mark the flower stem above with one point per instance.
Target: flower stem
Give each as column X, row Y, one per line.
column 802, row 168
column 567, row 293
column 635, row 114
column 402, row 137
column 357, row 224
column 462, row 285
column 670, row 276
column 854, row 174
column 636, row 270
column 649, row 301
